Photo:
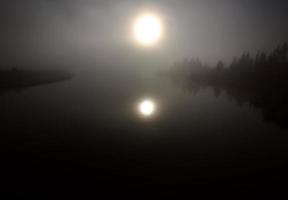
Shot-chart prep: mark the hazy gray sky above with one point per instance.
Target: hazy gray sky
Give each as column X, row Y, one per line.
column 96, row 32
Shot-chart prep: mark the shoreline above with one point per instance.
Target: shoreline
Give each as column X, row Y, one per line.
column 17, row 79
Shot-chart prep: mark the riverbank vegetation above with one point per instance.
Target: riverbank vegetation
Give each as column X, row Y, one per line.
column 262, row 70
column 260, row 80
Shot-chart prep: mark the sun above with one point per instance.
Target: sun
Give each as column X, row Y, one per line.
column 147, row 29
column 146, row 108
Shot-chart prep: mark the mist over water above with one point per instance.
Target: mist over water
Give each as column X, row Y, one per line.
column 81, row 99
column 92, row 116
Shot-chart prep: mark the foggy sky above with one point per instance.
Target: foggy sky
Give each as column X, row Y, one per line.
column 97, row 32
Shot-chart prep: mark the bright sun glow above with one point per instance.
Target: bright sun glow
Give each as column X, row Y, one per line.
column 146, row 108
column 147, row 29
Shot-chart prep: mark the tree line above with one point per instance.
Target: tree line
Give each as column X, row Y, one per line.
column 261, row 70
column 260, row 80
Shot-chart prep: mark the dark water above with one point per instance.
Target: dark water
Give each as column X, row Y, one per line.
column 89, row 128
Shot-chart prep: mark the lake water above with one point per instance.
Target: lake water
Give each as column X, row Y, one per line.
column 90, row 127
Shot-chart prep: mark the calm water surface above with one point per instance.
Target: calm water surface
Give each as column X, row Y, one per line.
column 90, row 126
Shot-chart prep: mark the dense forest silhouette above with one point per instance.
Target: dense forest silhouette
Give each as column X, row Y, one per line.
column 260, row 80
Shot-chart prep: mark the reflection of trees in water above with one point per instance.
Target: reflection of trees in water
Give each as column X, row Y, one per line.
column 273, row 103
column 260, row 81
